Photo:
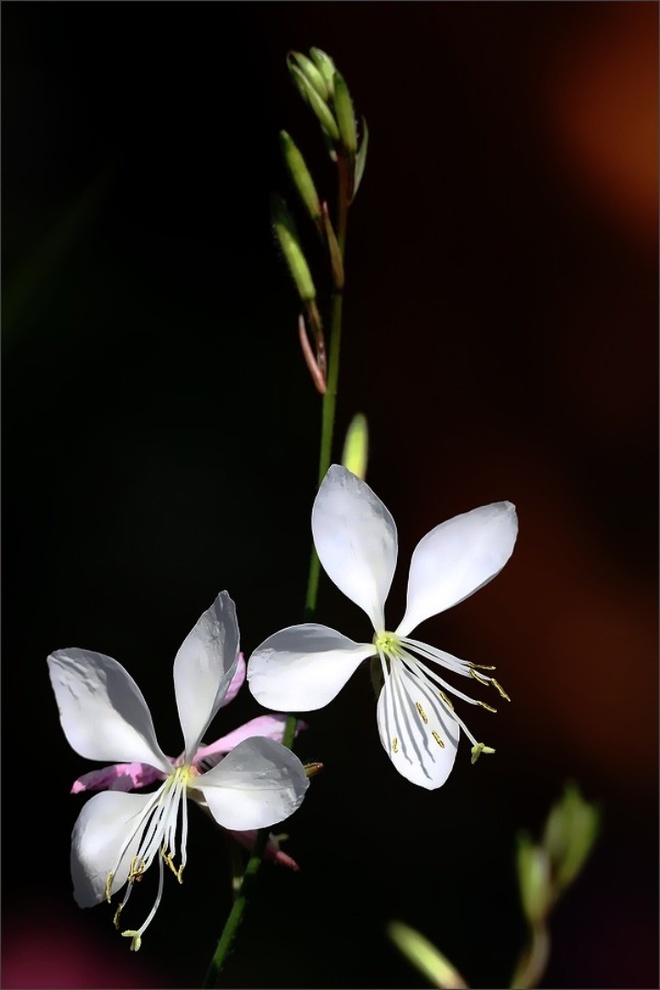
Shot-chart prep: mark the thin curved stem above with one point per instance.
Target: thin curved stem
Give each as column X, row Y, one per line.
column 236, row 914
column 534, row 959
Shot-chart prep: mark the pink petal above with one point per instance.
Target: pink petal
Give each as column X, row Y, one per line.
column 236, row 682
column 273, row 850
column 118, row 777
column 271, row 726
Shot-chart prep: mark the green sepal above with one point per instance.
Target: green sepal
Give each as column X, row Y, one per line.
column 361, row 157
column 345, row 117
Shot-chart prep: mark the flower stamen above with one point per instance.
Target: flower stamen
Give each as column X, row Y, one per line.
column 489, row 708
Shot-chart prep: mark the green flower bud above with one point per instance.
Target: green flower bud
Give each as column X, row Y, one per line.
column 288, row 240
column 345, row 116
column 356, row 448
column 326, row 67
column 310, row 72
column 425, row 957
column 533, row 879
column 320, row 108
column 301, row 176
column 570, row 832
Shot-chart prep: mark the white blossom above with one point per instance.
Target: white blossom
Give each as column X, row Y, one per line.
column 302, row 668
column 104, row 716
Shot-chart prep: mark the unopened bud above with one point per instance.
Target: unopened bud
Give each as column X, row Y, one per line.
column 288, row 240
column 533, row 879
column 310, row 72
column 316, row 102
column 301, row 176
column 356, row 447
column 569, row 834
column 326, row 67
column 425, row 957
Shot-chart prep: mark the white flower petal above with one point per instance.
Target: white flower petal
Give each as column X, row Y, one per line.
column 456, row 559
column 302, row 668
column 258, row 784
column 204, row 668
column 355, row 538
column 103, row 825
column 102, row 710
column 422, row 743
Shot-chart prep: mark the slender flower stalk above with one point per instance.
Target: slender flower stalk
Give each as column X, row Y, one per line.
column 315, row 80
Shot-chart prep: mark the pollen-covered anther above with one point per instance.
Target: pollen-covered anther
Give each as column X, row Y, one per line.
column 115, row 920
column 422, row 713
column 446, row 700
column 479, row 677
column 177, row 871
column 395, row 745
column 108, row 886
column 436, row 736
column 489, row 708
column 137, row 869
column 500, row 689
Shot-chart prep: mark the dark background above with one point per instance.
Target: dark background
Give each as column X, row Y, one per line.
column 160, row 441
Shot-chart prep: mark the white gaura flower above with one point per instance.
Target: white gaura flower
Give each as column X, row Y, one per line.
column 303, row 667
column 104, row 716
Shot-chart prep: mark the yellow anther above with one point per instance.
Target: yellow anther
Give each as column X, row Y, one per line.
column 395, row 745
column 312, row 769
column 108, row 886
column 436, row 736
column 446, row 700
column 481, row 666
column 479, row 677
column 115, row 920
column 478, row 750
column 500, row 689
column 422, row 713
column 489, row 708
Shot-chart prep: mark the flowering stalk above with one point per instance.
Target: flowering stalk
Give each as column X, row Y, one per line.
column 330, row 396
column 315, row 80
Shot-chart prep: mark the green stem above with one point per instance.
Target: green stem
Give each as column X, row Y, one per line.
column 534, row 959
column 330, row 395
column 212, row 978
column 327, row 429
